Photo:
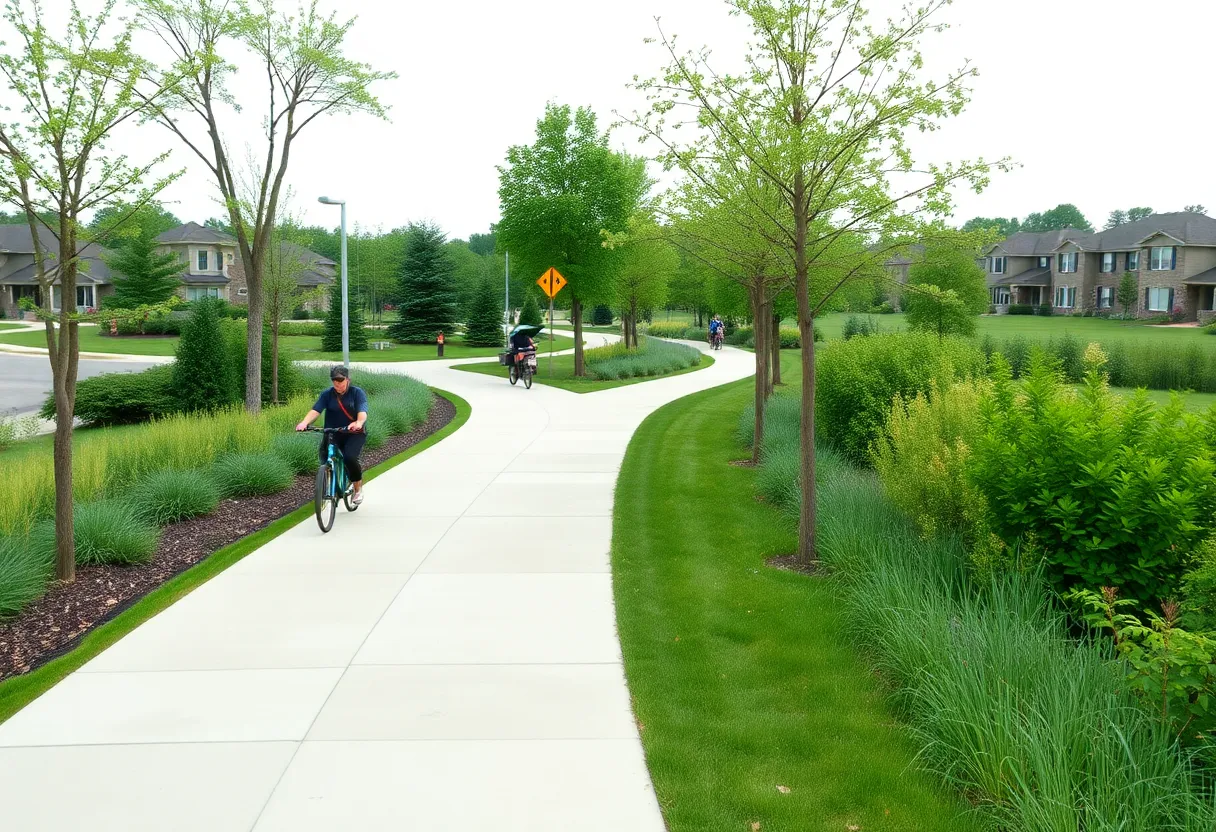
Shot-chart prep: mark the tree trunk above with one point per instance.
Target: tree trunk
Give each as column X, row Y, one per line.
column 633, row 322
column 63, row 370
column 759, row 315
column 576, row 312
column 274, row 361
column 253, row 345
column 775, row 360
column 807, row 554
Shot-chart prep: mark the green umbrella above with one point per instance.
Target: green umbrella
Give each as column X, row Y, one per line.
column 527, row 329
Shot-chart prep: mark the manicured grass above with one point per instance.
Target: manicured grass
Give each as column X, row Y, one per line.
column 19, row 691
column 10, row 326
column 91, row 340
column 1039, row 328
column 303, row 347
column 563, row 374
column 742, row 676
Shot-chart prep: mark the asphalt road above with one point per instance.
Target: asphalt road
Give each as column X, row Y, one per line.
column 25, row 380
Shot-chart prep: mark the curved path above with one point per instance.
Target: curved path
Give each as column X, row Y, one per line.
column 446, row 659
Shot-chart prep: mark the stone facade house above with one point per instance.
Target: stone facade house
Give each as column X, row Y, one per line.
column 18, row 278
column 1172, row 257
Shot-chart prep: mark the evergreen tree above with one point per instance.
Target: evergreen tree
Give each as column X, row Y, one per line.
column 1128, row 293
column 531, row 314
column 601, row 315
column 202, row 374
column 484, row 327
column 427, row 294
column 142, row 276
column 331, row 338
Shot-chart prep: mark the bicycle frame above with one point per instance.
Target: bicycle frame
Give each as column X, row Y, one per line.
column 338, row 483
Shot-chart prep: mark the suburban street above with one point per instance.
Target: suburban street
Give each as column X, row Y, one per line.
column 27, row 378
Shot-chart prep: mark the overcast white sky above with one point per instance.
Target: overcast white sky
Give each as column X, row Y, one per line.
column 1105, row 103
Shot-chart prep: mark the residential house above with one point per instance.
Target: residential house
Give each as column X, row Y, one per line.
column 18, row 278
column 1172, row 256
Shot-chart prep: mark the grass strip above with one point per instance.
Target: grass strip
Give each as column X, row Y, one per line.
column 563, row 374
column 754, row 709
column 19, row 691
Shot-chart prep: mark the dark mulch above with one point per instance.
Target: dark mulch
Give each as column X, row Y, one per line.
column 51, row 625
column 790, row 563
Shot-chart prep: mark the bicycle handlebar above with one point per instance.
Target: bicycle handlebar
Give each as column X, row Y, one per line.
column 325, row 430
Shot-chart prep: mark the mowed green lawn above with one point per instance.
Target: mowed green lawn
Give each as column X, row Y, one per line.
column 562, row 373
column 303, row 347
column 754, row 708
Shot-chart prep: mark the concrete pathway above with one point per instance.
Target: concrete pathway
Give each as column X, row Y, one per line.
column 446, row 659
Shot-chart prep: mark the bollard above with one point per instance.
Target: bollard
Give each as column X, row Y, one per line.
column 439, row 344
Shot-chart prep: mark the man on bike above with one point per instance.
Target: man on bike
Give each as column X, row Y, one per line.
column 344, row 406
column 521, row 343
column 715, row 330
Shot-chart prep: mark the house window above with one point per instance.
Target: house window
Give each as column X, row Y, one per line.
column 1066, row 296
column 200, row 292
column 998, row 265
column 202, row 261
column 1044, row 262
column 1068, row 263
column 1162, row 258
column 1000, row 295
column 84, row 297
column 1106, row 297
column 1159, row 299
column 242, row 292
column 1133, row 261
column 1108, row 262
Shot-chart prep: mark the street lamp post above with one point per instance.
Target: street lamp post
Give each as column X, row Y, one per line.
column 345, row 308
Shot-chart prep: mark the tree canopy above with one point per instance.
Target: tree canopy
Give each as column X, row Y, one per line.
column 1064, row 215
column 1004, row 227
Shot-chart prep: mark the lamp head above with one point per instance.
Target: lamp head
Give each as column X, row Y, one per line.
column 327, row 201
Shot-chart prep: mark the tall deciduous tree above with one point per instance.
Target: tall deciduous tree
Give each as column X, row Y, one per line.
column 556, row 196
column 818, row 117
column 118, row 223
column 308, row 76
column 1195, row 209
column 1117, row 217
column 647, row 262
column 70, row 94
column 1136, row 214
column 950, row 265
column 1065, row 215
column 426, row 294
column 285, row 264
column 1003, row 227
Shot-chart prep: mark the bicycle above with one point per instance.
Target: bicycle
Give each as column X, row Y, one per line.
column 715, row 340
column 524, row 369
column 332, row 482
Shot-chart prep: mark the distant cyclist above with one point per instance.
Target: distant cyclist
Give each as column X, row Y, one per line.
column 344, row 406
column 715, row 331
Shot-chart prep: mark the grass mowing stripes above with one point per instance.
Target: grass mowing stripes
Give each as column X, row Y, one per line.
column 19, row 691
column 742, row 676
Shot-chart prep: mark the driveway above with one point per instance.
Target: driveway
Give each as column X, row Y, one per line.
column 27, row 378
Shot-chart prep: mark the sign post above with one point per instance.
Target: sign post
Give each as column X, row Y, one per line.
column 551, row 282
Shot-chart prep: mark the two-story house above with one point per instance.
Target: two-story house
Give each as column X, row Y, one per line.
column 18, row 278
column 1171, row 256
column 212, row 268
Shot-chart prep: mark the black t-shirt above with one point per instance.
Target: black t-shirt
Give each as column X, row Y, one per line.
column 354, row 400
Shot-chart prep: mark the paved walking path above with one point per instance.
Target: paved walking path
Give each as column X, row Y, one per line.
column 446, row 659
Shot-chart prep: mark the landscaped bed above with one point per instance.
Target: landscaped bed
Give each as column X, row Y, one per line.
column 155, row 499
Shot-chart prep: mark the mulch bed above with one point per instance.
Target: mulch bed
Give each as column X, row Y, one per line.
column 51, row 625
column 790, row 563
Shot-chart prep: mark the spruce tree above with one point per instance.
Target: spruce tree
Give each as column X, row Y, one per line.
column 531, row 314
column 202, row 374
column 331, row 338
column 484, row 327
column 426, row 294
column 140, row 275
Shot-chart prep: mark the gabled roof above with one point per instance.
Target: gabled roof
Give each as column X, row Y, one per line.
column 1187, row 228
column 93, row 269
column 192, row 232
column 1030, row 277
column 1036, row 244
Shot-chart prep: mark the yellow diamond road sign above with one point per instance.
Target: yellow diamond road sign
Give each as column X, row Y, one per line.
column 551, row 282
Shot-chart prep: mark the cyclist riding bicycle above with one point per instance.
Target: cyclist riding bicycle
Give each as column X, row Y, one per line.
column 344, row 406
column 715, row 328
column 521, row 343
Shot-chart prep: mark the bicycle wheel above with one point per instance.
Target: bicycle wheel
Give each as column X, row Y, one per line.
column 527, row 378
column 513, row 374
column 325, row 505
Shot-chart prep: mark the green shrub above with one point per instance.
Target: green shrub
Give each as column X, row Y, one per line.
column 855, row 325
column 1021, row 309
column 1067, row 351
column 14, row 429
column 601, row 315
column 858, row 379
column 167, row 496
column 667, row 329
column 106, row 532
column 921, row 458
column 203, row 373
column 1017, row 352
column 251, row 474
column 236, row 340
column 23, row 575
column 122, row 398
column 1045, row 309
column 741, row 336
column 1116, row 492
column 296, row 328
column 163, row 324
column 298, row 450
column 695, row 333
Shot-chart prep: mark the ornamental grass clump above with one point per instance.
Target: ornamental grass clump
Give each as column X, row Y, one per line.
column 299, row 451
column 652, row 357
column 169, row 496
column 106, row 532
column 23, row 575
column 251, row 474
